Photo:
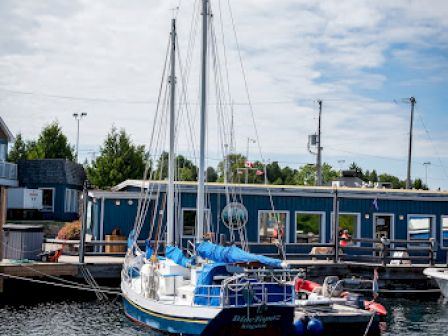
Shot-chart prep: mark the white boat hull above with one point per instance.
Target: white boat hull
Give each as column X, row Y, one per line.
column 440, row 275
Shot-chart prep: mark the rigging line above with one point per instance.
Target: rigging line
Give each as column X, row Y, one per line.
column 428, row 134
column 58, row 284
column 246, row 86
column 156, row 115
column 161, row 137
column 61, row 279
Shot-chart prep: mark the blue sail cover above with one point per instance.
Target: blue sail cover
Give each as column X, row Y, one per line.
column 175, row 254
column 149, row 251
column 233, row 254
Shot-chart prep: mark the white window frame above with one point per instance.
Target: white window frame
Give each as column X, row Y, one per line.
column 68, row 200
column 358, row 224
column 322, row 230
column 52, row 199
column 441, row 233
column 288, row 223
column 208, row 218
column 432, row 228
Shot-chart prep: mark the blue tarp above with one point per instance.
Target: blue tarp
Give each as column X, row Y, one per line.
column 175, row 254
column 205, row 295
column 149, row 251
column 233, row 254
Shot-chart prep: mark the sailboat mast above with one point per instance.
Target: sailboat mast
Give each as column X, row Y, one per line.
column 201, row 175
column 170, row 232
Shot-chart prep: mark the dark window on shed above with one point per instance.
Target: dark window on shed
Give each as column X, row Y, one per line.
column 189, row 222
column 48, row 199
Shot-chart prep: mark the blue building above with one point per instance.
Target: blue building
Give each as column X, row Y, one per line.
column 302, row 214
column 61, row 182
column 8, row 170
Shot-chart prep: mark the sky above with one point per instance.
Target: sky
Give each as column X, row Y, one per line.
column 361, row 58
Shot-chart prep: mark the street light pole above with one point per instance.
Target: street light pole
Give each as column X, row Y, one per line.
column 78, row 117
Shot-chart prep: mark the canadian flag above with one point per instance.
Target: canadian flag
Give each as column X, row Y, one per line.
column 259, row 172
column 248, row 164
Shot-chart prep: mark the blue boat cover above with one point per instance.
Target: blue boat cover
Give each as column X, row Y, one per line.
column 175, row 254
column 149, row 251
column 131, row 239
column 233, row 254
column 204, row 294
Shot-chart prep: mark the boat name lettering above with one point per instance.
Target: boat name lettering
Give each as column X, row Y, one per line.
column 256, row 319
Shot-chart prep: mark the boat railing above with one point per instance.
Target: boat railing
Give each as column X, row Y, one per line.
column 244, row 294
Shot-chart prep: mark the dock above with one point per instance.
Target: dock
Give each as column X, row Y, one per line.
column 393, row 279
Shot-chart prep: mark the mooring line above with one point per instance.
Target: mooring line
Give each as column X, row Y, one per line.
column 58, row 284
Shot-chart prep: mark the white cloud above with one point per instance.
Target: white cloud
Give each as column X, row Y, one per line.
column 294, row 51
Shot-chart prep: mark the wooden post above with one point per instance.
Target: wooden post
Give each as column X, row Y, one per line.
column 83, row 219
column 3, row 194
column 336, row 225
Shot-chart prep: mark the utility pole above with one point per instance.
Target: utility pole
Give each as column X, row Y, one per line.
column 319, row 148
column 78, row 117
column 408, row 179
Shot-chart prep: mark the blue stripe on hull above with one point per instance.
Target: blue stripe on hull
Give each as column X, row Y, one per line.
column 161, row 322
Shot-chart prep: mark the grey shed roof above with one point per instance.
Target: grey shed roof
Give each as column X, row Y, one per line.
column 51, row 171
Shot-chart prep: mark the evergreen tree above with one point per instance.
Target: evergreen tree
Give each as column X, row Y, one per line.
column 212, row 175
column 51, row 144
column 118, row 161
column 18, row 150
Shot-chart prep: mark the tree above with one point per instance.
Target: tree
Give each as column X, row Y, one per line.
column 357, row 169
column 212, row 175
column 306, row 175
column 51, row 144
column 395, row 181
column 118, row 161
column 233, row 162
column 18, row 150
column 186, row 170
column 418, row 184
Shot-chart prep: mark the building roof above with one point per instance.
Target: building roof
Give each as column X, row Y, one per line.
column 51, row 171
column 5, row 130
column 295, row 190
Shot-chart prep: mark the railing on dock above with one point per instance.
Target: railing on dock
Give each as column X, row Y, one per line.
column 360, row 250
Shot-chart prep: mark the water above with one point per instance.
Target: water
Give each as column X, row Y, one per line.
column 89, row 317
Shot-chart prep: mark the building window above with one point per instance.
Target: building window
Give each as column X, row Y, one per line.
column 308, row 227
column 420, row 227
column 3, row 152
column 48, row 199
column 189, row 222
column 71, row 200
column 272, row 226
column 349, row 222
column 444, row 232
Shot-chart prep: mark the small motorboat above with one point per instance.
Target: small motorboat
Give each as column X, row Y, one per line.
column 440, row 275
column 332, row 289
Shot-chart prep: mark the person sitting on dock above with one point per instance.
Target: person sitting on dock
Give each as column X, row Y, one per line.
column 344, row 239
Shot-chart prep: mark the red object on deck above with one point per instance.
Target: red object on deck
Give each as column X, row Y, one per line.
column 305, row 285
column 302, row 285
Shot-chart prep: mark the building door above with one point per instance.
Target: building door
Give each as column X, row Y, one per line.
column 383, row 226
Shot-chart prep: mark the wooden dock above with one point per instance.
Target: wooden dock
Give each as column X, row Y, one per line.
column 398, row 278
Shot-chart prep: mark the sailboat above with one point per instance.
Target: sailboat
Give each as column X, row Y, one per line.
column 216, row 290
